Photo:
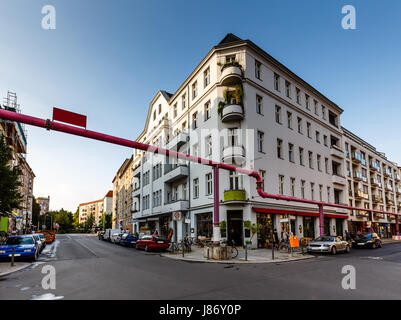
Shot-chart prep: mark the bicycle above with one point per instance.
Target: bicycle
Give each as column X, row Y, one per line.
column 284, row 246
column 234, row 250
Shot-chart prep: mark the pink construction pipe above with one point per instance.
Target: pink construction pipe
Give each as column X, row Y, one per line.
column 51, row 125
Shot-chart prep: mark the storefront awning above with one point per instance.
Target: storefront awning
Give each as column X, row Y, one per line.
column 298, row 213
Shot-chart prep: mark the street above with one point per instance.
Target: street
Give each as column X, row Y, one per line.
column 87, row 268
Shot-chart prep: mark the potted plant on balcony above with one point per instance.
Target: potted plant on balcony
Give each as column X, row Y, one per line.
column 233, row 63
column 231, row 97
column 223, row 229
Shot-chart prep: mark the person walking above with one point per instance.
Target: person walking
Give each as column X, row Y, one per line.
column 276, row 240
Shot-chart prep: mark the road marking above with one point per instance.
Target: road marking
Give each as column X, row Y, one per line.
column 90, row 250
column 47, row 296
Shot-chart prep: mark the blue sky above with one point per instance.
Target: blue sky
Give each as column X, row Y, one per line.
column 107, row 59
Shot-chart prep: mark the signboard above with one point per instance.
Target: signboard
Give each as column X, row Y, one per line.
column 177, row 215
column 294, row 242
column 188, row 221
column 69, row 117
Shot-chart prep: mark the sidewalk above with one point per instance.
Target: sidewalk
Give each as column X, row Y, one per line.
column 6, row 269
column 254, row 256
column 387, row 241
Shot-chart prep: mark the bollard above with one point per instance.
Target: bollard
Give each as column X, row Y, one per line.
column 12, row 257
column 273, row 251
column 183, row 248
column 208, row 248
column 246, row 251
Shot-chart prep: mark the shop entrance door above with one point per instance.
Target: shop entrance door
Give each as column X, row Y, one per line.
column 234, row 227
column 309, row 227
column 339, row 227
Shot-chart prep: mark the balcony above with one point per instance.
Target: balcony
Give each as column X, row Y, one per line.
column 176, row 205
column 339, row 180
column 234, row 195
column 361, row 213
column 397, row 177
column 379, row 215
column 389, row 202
column 358, row 176
column 336, row 151
column 232, row 112
column 398, row 191
column 374, row 166
column 377, row 199
column 234, row 154
column 391, row 217
column 388, row 187
column 178, row 141
column 174, row 173
column 230, row 75
column 356, row 157
column 387, row 173
column 359, row 195
column 375, row 182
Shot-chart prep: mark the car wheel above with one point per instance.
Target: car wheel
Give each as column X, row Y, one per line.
column 347, row 249
column 146, row 248
column 380, row 244
column 333, row 250
column 373, row 245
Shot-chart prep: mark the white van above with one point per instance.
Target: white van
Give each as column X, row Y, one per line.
column 109, row 232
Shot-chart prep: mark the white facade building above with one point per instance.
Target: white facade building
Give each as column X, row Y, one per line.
column 242, row 107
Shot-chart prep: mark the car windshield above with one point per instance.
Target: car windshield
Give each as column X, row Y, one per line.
column 41, row 236
column 19, row 240
column 160, row 239
column 364, row 236
column 326, row 238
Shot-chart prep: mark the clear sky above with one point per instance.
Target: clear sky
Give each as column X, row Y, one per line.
column 107, row 59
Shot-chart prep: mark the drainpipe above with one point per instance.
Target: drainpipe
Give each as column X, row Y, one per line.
column 397, row 226
column 321, row 220
column 216, row 217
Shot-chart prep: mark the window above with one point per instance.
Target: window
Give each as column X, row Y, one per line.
column 259, row 104
column 326, row 165
column 291, row 152
column 325, row 140
column 195, row 120
column 276, row 82
column 303, row 189
column 316, row 106
column 196, row 188
column 289, row 120
column 184, row 126
column 154, row 115
column 209, row 184
column 328, row 194
column 317, row 136
column 308, row 130
column 184, row 102
column 206, row 77
column 278, row 114
column 299, row 121
column 301, row 156
column 281, row 184
column 208, row 146
column 312, row 190
column 307, row 101
column 175, row 111
column 324, row 112
column 230, row 59
column 262, row 174
column 310, row 157
column 258, row 67
column 235, row 181
column 288, row 89
column 207, row 110
column 319, row 166
column 195, row 150
column 233, row 137
column 279, row 148
column 320, row 193
column 292, row 187
column 260, row 141
column 298, row 95
column 194, row 90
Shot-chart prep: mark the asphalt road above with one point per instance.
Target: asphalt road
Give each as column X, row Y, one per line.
column 87, row 268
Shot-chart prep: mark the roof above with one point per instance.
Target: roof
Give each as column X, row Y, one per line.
column 166, row 95
column 109, row 194
column 229, row 38
column 92, row 202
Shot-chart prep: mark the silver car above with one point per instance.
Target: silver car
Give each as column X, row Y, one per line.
column 329, row 244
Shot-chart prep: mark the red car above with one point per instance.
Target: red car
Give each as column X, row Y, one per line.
column 152, row 243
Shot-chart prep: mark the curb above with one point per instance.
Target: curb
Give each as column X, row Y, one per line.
column 234, row 261
column 4, row 274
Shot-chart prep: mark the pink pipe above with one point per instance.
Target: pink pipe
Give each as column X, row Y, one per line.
column 51, row 125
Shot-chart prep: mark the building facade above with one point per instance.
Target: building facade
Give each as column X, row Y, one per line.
column 373, row 182
column 122, row 196
column 18, row 220
column 96, row 209
column 44, row 204
column 241, row 106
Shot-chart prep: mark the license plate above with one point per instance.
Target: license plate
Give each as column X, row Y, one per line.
column 15, row 255
column 361, row 244
column 132, row 241
column 160, row 241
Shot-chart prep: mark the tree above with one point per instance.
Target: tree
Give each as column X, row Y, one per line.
column 75, row 219
column 10, row 196
column 64, row 219
column 35, row 212
column 105, row 221
column 88, row 225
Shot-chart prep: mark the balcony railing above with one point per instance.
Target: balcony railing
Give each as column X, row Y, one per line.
column 361, row 195
column 377, row 198
column 375, row 182
column 234, row 195
column 356, row 157
column 374, row 166
column 359, row 176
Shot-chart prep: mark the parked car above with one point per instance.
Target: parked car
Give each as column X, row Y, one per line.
column 100, row 235
column 367, row 240
column 25, row 247
column 109, row 232
column 152, row 242
column 328, row 244
column 40, row 242
column 128, row 240
column 116, row 237
column 49, row 236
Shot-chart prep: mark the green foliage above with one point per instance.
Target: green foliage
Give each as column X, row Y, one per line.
column 105, row 222
column 10, row 197
column 247, row 224
column 234, row 63
column 229, row 96
column 223, row 224
column 35, row 212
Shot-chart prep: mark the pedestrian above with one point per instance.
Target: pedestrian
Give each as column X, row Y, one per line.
column 276, row 240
